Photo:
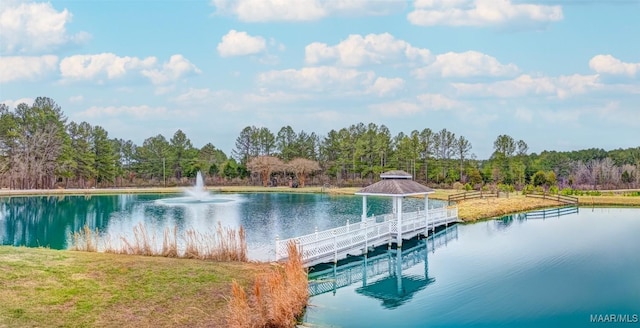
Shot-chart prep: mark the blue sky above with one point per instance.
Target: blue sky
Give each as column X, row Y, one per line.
column 561, row 75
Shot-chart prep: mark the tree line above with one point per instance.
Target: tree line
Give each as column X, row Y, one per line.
column 40, row 149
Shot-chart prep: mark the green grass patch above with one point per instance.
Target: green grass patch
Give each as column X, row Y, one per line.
column 49, row 288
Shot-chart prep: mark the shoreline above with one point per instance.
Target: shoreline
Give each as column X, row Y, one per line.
column 469, row 210
column 194, row 292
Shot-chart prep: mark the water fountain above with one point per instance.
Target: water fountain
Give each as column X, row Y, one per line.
column 197, row 194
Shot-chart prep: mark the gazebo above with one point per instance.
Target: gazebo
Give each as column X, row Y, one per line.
column 398, row 185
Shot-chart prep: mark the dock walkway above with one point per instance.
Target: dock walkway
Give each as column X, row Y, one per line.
column 359, row 237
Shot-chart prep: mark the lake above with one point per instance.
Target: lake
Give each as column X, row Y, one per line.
column 48, row 221
column 512, row 272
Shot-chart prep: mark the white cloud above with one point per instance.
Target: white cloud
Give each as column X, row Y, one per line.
column 76, row 99
column 438, row 102
column 524, row 115
column 200, row 96
column 138, row 112
column 210, row 101
column 465, row 64
column 301, row 10
column 321, row 78
column 607, row 64
column 386, row 86
column 15, row 68
column 397, row 108
column 30, row 27
column 111, row 66
column 176, row 68
column 237, row 43
column 357, row 50
column 264, row 96
column 271, row 10
column 480, row 13
column 14, row 103
column 421, row 103
column 561, row 116
column 524, row 85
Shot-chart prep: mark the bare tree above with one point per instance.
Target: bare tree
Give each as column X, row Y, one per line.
column 265, row 165
column 301, row 167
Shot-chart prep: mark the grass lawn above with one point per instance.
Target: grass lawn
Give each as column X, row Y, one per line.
column 50, row 288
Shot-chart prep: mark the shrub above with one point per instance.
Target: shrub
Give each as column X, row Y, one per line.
column 539, row 179
column 567, row 192
column 551, row 179
column 528, row 189
column 468, row 187
column 553, row 190
column 457, row 186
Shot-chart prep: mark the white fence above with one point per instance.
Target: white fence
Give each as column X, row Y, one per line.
column 371, row 268
column 356, row 238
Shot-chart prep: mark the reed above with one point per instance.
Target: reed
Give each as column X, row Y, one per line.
column 170, row 242
column 241, row 316
column 225, row 244
column 85, row 240
column 279, row 295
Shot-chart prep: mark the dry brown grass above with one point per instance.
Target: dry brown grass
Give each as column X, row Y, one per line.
column 225, row 244
column 170, row 243
column 279, row 296
column 614, row 200
column 85, row 240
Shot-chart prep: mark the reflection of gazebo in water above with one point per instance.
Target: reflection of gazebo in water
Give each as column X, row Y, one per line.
column 396, row 289
column 380, row 272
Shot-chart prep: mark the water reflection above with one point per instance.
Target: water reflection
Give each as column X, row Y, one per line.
column 549, row 213
column 380, row 273
column 48, row 221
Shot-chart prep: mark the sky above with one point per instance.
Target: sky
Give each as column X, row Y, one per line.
column 559, row 74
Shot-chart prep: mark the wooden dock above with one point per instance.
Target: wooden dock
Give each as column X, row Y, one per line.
column 359, row 237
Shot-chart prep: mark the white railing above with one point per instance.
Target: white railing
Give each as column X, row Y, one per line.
column 334, row 278
column 352, row 237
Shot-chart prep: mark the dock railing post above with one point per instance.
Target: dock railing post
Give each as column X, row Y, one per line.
column 335, row 248
column 366, row 240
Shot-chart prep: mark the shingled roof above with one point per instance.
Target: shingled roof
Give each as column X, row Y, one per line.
column 395, row 183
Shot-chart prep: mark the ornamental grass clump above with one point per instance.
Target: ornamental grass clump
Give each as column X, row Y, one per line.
column 224, row 245
column 85, row 240
column 279, row 296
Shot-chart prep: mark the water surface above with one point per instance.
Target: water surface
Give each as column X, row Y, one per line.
column 504, row 273
column 48, row 221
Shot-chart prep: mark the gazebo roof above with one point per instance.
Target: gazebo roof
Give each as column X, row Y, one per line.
column 395, row 183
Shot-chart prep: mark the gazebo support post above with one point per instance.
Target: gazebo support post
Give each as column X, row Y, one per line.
column 364, row 208
column 399, row 229
column 426, row 215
